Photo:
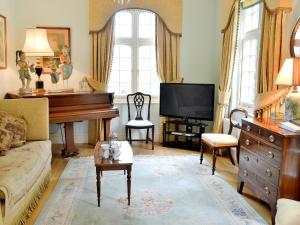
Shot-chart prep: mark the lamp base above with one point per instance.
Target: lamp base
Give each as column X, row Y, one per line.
column 39, row 84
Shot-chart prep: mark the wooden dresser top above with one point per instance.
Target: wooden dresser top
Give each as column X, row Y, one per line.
column 272, row 126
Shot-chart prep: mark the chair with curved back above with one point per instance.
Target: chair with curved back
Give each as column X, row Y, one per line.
column 222, row 141
column 139, row 100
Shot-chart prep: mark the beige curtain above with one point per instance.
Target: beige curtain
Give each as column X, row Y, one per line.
column 167, row 47
column 227, row 65
column 271, row 50
column 102, row 53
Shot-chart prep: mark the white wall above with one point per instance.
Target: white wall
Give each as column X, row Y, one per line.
column 8, row 77
column 199, row 50
column 59, row 13
column 200, row 47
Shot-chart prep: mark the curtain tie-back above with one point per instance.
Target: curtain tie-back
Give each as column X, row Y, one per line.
column 224, row 97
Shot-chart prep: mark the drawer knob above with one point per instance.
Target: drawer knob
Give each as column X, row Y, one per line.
column 246, row 158
column 247, row 142
column 271, row 155
column 248, row 128
column 271, row 138
column 269, row 173
column 245, row 173
column 267, row 191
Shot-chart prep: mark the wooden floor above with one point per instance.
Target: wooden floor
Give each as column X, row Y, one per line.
column 224, row 168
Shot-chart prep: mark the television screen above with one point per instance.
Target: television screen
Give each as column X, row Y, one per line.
column 195, row 101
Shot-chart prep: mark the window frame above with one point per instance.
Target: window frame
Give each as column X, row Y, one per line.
column 135, row 42
column 242, row 37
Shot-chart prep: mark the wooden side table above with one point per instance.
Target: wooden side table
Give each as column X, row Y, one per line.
column 124, row 163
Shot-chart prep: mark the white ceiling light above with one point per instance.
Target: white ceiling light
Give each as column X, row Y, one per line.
column 121, row 1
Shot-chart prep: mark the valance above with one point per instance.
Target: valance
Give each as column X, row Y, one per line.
column 169, row 10
column 248, row 3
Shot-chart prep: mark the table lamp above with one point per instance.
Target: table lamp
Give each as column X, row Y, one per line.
column 289, row 75
column 37, row 45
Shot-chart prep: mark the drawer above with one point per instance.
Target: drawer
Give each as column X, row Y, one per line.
column 261, row 148
column 266, row 135
column 263, row 190
column 262, row 168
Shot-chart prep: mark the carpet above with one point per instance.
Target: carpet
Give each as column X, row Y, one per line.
column 166, row 190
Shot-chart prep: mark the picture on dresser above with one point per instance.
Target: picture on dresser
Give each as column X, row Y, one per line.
column 58, row 38
column 3, row 43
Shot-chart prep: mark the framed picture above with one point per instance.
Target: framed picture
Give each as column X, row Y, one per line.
column 57, row 37
column 3, row 43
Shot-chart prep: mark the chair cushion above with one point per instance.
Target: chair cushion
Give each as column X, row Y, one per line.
column 288, row 212
column 139, row 123
column 219, row 140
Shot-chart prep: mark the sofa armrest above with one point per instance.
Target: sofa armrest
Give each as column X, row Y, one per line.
column 36, row 113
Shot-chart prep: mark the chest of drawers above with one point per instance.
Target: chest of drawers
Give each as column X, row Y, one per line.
column 269, row 162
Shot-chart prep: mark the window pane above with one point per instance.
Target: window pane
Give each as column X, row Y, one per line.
column 147, row 18
column 147, row 25
column 123, row 24
column 146, row 31
column 120, row 76
column 125, row 76
column 134, row 63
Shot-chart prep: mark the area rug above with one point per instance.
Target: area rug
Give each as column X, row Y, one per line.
column 166, row 190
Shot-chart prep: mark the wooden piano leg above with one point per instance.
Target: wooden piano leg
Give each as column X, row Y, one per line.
column 107, row 129
column 70, row 148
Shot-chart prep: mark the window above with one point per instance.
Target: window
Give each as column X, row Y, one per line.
column 244, row 83
column 134, row 58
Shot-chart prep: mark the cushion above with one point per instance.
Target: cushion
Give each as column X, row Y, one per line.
column 288, row 212
column 219, row 140
column 139, row 123
column 21, row 168
column 16, row 125
column 5, row 140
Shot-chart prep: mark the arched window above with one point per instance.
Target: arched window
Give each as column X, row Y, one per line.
column 134, row 65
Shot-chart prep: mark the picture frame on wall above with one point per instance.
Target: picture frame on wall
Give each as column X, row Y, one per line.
column 3, row 43
column 57, row 38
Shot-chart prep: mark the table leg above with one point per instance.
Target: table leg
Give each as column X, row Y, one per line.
column 98, row 184
column 129, row 184
column 70, row 148
column 106, row 129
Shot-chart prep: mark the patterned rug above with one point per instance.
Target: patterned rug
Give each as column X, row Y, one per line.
column 166, row 190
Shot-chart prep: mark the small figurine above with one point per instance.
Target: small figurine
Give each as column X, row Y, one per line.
column 54, row 74
column 24, row 70
column 65, row 60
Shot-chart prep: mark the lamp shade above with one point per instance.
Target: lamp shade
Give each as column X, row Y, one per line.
column 36, row 43
column 289, row 74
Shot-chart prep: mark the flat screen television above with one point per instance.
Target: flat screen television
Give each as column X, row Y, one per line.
column 192, row 101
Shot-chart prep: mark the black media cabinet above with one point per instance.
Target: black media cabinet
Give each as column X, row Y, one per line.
column 183, row 134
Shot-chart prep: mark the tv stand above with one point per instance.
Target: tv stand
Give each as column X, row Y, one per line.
column 183, row 133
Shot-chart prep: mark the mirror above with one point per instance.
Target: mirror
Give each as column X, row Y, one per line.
column 295, row 41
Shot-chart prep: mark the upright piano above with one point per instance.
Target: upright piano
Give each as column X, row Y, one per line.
column 68, row 108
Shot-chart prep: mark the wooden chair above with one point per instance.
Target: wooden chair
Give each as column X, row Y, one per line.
column 139, row 123
column 221, row 141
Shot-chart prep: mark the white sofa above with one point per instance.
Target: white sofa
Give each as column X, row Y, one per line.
column 25, row 171
column 288, row 212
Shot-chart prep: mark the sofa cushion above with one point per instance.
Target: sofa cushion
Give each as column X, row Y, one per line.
column 16, row 125
column 5, row 140
column 21, row 167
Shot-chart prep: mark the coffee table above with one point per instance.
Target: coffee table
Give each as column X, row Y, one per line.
column 124, row 163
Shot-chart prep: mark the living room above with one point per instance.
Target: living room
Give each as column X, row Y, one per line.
column 192, row 46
